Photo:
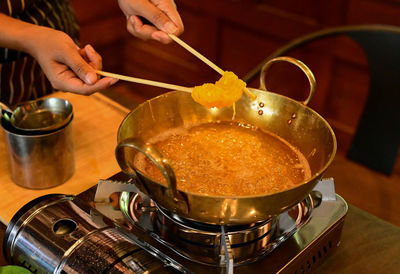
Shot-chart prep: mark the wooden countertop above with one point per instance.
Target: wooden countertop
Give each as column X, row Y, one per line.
column 368, row 245
column 95, row 126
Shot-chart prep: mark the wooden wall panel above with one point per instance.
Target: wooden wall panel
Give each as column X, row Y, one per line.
column 112, row 30
column 240, row 50
column 237, row 35
column 347, row 49
column 348, row 93
column 254, row 16
column 312, row 11
column 102, row 24
column 90, row 11
column 373, row 12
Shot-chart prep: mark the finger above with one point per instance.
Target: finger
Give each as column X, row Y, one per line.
column 93, row 57
column 136, row 27
column 169, row 8
column 161, row 37
column 81, row 68
column 82, row 52
column 157, row 17
column 70, row 83
column 143, row 31
column 100, row 85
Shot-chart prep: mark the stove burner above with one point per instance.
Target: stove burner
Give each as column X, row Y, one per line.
column 139, row 205
column 204, row 227
column 203, row 242
column 208, row 244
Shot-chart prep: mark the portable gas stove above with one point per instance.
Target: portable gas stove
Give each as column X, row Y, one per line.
column 62, row 234
column 295, row 241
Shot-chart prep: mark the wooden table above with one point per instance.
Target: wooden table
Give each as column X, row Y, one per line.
column 94, row 126
column 368, row 245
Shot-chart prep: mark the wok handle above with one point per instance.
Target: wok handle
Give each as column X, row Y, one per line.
column 158, row 159
column 298, row 63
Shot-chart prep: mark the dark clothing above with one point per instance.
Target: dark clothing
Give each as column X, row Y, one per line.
column 21, row 77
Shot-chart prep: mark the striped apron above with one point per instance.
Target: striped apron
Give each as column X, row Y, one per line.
column 21, row 77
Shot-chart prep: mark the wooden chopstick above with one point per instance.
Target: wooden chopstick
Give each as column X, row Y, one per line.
column 205, row 60
column 197, row 54
column 144, row 81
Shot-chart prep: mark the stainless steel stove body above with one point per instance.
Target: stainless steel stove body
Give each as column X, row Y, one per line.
column 297, row 239
column 62, row 235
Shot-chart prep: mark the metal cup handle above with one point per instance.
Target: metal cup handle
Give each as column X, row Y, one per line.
column 301, row 65
column 158, row 159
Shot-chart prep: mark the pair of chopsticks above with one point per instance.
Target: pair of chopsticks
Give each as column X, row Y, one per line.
column 170, row 86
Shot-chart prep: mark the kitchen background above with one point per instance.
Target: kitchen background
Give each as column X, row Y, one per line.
column 239, row 34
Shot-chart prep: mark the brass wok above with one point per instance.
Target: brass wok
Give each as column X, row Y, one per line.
column 290, row 119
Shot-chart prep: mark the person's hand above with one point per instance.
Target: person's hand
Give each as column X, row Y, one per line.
column 67, row 67
column 161, row 13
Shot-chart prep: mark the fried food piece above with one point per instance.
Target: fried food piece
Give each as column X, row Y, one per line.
column 225, row 92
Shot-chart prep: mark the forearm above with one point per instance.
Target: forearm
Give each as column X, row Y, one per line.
column 16, row 34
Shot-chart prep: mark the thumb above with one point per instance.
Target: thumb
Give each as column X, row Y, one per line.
column 81, row 68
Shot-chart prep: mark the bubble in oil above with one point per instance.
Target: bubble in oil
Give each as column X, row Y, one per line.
column 260, row 112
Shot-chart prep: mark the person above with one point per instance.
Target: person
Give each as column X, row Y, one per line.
column 39, row 46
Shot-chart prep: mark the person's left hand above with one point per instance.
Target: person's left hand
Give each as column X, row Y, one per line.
column 161, row 13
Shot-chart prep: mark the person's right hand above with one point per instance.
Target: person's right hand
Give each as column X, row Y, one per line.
column 162, row 14
column 67, row 67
